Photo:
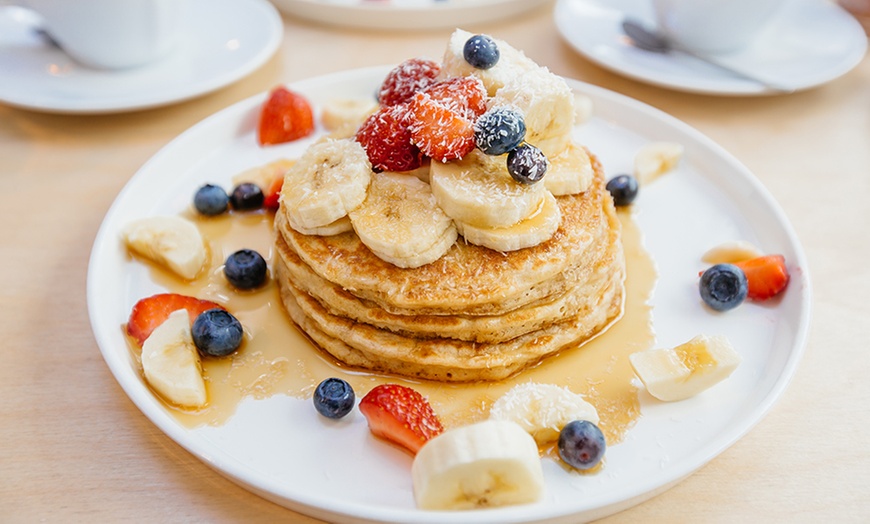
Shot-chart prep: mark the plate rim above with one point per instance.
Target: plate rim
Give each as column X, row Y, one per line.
column 314, row 506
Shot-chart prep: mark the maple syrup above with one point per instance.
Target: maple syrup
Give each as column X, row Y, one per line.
column 277, row 358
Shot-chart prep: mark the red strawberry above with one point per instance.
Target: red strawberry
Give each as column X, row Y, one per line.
column 401, row 415
column 387, row 140
column 270, row 197
column 766, row 276
column 406, row 79
column 464, row 95
column 284, row 117
column 440, row 133
column 152, row 311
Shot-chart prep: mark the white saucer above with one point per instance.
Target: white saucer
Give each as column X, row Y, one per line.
column 223, row 40
column 404, row 14
column 809, row 43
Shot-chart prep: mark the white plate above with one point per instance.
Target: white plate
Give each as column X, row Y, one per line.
column 279, row 447
column 405, row 14
column 223, row 40
column 810, row 42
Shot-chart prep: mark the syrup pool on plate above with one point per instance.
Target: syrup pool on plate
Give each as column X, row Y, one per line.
column 278, row 359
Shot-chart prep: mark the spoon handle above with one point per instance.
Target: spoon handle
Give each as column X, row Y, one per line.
column 774, row 86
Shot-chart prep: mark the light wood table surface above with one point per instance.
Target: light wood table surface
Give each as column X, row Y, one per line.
column 74, row 448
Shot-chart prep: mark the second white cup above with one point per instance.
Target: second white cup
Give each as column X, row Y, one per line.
column 714, row 26
column 111, row 34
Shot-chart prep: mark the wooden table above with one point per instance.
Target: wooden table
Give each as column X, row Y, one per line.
column 74, row 448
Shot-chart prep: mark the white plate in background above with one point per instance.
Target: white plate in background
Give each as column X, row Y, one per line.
column 222, row 41
column 280, row 449
column 405, row 14
column 808, row 43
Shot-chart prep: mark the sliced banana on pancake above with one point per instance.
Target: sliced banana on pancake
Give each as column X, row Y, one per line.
column 401, row 222
column 570, row 172
column 538, row 227
column 511, row 62
column 342, row 225
column 328, row 181
column 479, row 191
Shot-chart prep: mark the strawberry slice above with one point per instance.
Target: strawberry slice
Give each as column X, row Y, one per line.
column 440, row 132
column 152, row 311
column 285, row 116
column 401, row 415
column 270, row 197
column 766, row 276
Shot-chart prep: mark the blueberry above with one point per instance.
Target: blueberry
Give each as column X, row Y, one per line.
column 527, row 164
column 246, row 197
column 723, row 287
column 623, row 189
column 245, row 269
column 216, row 332
column 333, row 398
column 211, row 200
column 481, row 52
column 581, row 444
column 499, row 130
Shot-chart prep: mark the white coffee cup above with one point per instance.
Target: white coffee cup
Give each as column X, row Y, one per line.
column 714, row 26
column 111, row 34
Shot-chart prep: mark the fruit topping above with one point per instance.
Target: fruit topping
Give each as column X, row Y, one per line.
column 581, row 444
column 401, row 415
column 272, row 194
column 542, row 409
column 440, row 133
column 387, row 140
column 407, row 78
column 285, row 116
column 766, row 276
column 171, row 363
column 623, row 189
column 486, row 464
column 247, row 196
column 245, row 269
column 346, row 113
column 217, row 333
column 527, row 164
column 686, row 370
column 464, row 95
column 170, row 241
column 723, row 287
column 481, row 52
column 150, row 312
column 211, row 200
column 334, row 398
column 655, row 159
column 499, row 130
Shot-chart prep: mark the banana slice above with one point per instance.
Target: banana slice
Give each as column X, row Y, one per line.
column 547, row 105
column 478, row 191
column 171, row 362
column 542, row 409
column 531, row 231
column 170, row 241
column 400, row 221
column 263, row 175
column 511, row 63
column 342, row 225
column 686, row 370
column 731, row 252
column 570, row 172
column 346, row 113
column 490, row 463
column 328, row 181
column 655, row 159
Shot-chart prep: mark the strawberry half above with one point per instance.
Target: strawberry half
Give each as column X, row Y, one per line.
column 766, row 276
column 401, row 415
column 464, row 95
column 406, row 79
column 285, row 116
column 440, row 132
column 387, row 140
column 152, row 311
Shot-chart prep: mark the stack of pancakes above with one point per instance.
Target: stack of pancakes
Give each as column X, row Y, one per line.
column 474, row 314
